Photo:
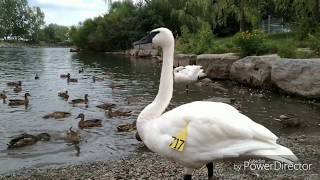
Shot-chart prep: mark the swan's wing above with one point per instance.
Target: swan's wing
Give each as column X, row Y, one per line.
column 215, row 130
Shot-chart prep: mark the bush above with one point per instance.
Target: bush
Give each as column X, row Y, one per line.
column 314, row 42
column 251, row 43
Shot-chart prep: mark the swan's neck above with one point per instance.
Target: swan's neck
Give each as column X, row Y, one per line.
column 162, row 100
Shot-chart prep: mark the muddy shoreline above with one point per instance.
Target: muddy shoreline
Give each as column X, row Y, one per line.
column 144, row 164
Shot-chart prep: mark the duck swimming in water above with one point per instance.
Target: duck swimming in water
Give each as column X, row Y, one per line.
column 64, row 95
column 19, row 83
column 20, row 102
column 88, row 123
column 17, row 89
column 81, row 70
column 69, row 79
column 116, row 113
column 80, row 101
column 36, row 77
column 73, row 136
column 3, row 97
column 106, row 106
column 27, row 140
column 57, row 115
column 94, row 79
column 64, row 75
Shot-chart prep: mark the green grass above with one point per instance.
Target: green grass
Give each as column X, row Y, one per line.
column 286, row 45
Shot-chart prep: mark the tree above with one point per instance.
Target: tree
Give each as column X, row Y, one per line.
column 18, row 20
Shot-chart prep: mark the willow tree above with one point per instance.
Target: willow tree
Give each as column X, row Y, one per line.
column 304, row 15
column 244, row 11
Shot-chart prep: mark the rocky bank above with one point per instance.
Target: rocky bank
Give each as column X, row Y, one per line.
column 299, row 77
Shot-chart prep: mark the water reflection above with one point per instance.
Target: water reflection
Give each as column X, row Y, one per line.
column 130, row 84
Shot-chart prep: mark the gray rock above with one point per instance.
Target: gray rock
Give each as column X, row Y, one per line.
column 298, row 76
column 217, row 66
column 254, row 70
column 184, row 59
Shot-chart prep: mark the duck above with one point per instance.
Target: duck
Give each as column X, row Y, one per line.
column 126, row 128
column 80, row 101
column 88, row 123
column 25, row 139
column 134, row 99
column 94, row 79
column 81, row 70
column 19, row 102
column 116, row 113
column 64, row 95
column 19, row 83
column 71, row 79
column 57, row 115
column 17, row 89
column 289, row 121
column 3, row 97
column 197, row 133
column 73, row 136
column 64, row 75
column 36, row 77
column 106, row 106
column 188, row 74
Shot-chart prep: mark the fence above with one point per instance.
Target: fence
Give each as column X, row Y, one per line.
column 274, row 25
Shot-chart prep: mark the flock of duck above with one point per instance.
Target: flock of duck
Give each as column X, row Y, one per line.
column 71, row 136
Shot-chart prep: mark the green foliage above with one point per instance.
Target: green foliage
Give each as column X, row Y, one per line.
column 54, row 33
column 18, row 20
column 314, row 42
column 196, row 43
column 251, row 43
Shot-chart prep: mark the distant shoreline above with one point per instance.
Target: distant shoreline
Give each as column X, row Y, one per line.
column 4, row 44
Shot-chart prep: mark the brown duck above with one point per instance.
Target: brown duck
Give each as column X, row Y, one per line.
column 88, row 123
column 64, row 95
column 17, row 89
column 94, row 78
column 69, row 79
column 126, row 128
column 27, row 140
column 64, row 75
column 290, row 121
column 116, row 113
column 106, row 106
column 57, row 115
column 20, row 102
column 19, row 83
column 73, row 136
column 3, row 97
column 80, row 101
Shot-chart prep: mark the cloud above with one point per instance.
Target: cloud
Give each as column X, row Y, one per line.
column 70, row 12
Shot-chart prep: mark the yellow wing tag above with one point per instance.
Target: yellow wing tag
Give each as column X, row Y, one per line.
column 180, row 139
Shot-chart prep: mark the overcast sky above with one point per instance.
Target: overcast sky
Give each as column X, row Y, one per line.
column 69, row 12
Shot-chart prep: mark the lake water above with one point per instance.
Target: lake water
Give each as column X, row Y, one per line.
column 137, row 78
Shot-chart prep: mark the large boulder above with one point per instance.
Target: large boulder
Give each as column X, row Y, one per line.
column 298, row 76
column 217, row 66
column 254, row 70
column 184, row 59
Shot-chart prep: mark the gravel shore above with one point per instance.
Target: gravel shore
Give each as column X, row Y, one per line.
column 147, row 165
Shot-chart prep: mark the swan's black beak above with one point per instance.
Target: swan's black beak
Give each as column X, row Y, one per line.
column 147, row 39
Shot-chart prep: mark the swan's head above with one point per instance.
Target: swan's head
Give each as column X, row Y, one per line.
column 160, row 37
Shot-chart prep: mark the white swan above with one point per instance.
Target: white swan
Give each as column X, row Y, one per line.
column 197, row 133
column 188, row 74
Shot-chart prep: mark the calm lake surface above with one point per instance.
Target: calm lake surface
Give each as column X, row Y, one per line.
column 137, row 78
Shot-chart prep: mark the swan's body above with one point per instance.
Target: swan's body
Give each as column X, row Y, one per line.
column 188, row 74
column 215, row 130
